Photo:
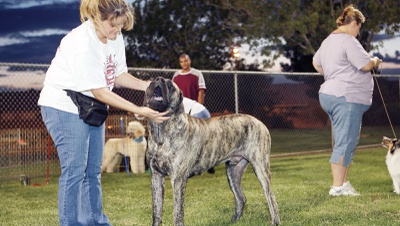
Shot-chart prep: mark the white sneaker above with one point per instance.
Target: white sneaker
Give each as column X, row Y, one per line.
column 345, row 190
column 336, row 191
column 349, row 189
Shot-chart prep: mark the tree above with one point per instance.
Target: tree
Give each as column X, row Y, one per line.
column 206, row 29
column 296, row 28
column 164, row 29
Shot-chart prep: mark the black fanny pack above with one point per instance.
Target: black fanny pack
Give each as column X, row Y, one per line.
column 91, row 111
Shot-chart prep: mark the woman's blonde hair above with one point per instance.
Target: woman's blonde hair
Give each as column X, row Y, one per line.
column 100, row 10
column 349, row 15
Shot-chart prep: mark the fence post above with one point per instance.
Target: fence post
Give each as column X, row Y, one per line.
column 236, row 93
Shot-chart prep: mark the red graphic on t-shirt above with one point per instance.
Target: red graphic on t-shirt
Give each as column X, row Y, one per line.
column 110, row 70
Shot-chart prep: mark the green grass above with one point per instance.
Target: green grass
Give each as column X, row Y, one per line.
column 300, row 184
column 300, row 140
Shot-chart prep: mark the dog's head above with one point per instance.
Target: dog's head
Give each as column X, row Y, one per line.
column 136, row 129
column 390, row 144
column 164, row 95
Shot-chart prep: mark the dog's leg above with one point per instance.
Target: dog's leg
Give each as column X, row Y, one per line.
column 179, row 186
column 115, row 161
column 234, row 171
column 261, row 169
column 157, row 189
column 141, row 159
column 396, row 184
column 134, row 161
column 105, row 166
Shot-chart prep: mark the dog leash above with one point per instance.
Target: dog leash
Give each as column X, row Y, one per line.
column 383, row 101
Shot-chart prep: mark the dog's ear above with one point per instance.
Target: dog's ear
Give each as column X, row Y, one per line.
column 391, row 144
column 180, row 98
column 387, row 142
column 394, row 146
column 179, row 101
column 175, row 97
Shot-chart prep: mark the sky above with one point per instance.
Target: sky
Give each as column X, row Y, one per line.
column 31, row 31
column 12, row 4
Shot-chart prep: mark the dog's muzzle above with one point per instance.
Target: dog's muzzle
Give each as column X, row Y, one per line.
column 159, row 98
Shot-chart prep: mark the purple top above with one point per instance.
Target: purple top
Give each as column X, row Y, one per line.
column 341, row 57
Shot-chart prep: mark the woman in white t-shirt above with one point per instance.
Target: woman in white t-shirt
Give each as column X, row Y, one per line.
column 346, row 93
column 90, row 60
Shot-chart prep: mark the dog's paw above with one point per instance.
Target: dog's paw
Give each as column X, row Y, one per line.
column 211, row 170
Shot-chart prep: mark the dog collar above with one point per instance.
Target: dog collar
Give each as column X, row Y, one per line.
column 138, row 140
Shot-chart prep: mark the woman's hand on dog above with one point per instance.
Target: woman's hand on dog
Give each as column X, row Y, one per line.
column 154, row 116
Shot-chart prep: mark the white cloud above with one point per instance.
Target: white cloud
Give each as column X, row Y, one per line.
column 254, row 55
column 6, row 41
column 389, row 46
column 17, row 4
column 24, row 36
column 44, row 32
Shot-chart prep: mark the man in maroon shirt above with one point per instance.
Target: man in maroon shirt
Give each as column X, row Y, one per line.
column 190, row 80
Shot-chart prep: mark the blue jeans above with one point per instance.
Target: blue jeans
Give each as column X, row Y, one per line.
column 80, row 150
column 346, row 119
column 203, row 114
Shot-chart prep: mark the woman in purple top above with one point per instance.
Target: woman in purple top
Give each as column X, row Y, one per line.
column 346, row 93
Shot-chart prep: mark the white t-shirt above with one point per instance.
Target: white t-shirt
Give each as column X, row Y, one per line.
column 82, row 63
column 192, row 107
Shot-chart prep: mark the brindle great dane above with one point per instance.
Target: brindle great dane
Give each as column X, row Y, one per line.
column 184, row 146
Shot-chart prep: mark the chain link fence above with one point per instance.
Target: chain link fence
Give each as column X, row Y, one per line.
column 287, row 103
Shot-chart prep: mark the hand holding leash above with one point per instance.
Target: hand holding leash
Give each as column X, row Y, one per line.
column 377, row 61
